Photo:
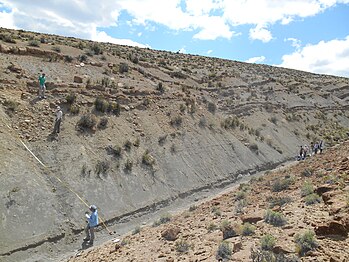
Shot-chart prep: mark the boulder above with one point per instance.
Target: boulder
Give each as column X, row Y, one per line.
column 78, row 79
column 228, row 232
column 324, row 188
column 252, row 218
column 331, row 228
column 15, row 68
column 171, row 233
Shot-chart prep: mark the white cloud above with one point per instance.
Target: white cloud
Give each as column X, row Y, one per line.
column 209, row 19
column 104, row 37
column 6, row 20
column 209, row 52
column 182, row 50
column 257, row 59
column 330, row 57
column 294, row 42
column 260, row 33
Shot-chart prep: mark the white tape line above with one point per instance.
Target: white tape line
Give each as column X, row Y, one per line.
column 33, row 154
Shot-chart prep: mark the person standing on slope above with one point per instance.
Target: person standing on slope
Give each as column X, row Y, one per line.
column 59, row 115
column 42, row 89
column 92, row 222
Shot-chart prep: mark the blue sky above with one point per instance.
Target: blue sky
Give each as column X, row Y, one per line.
column 310, row 35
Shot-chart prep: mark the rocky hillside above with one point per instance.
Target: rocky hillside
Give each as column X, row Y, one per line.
column 142, row 130
column 298, row 213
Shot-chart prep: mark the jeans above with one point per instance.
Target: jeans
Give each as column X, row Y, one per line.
column 90, row 232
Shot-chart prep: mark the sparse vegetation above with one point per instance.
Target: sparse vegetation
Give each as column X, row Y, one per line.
column 282, row 184
column 88, row 121
column 163, row 220
column 211, row 107
column 148, row 159
column 307, row 189
column 176, row 121
column 268, row 242
column 101, row 167
column 123, row 68
column 128, row 165
column 103, row 123
column 312, row 198
column 71, row 98
column 182, row 246
column 224, row 250
column 34, row 43
column 278, row 201
column 305, row 242
column 248, row 229
column 274, row 218
column 228, row 229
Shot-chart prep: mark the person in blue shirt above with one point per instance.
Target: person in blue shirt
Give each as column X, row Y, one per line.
column 92, row 222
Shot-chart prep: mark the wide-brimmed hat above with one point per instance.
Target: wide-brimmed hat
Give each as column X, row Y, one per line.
column 93, row 207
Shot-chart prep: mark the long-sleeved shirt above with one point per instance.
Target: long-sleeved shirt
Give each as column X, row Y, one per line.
column 92, row 219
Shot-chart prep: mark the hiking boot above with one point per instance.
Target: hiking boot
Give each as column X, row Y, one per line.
column 86, row 239
column 90, row 243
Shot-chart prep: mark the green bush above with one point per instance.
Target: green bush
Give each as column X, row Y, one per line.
column 7, row 38
column 101, row 167
column 305, row 242
column 128, row 145
column 115, row 151
column 312, row 199
column 216, row 211
column 163, row 220
column 103, row 123
column 307, row 189
column 268, row 242
column 56, row 49
column 11, row 105
column 71, row 98
column 240, row 195
column 274, row 218
column 248, row 229
column 228, row 229
column 182, row 246
column 68, row 58
column 259, row 255
column 87, row 121
column 212, row 227
column 128, row 165
column 160, row 87
column 282, row 184
column 211, row 107
column 224, row 251
column 34, row 43
column 74, row 109
column 96, row 49
column 278, row 201
column 114, row 108
column 148, row 159
column 82, row 58
column 101, row 104
column 123, row 68
column 176, row 121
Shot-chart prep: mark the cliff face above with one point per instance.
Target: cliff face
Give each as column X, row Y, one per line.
column 164, row 127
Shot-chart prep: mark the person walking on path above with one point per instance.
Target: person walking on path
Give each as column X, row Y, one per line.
column 42, row 80
column 59, row 115
column 92, row 222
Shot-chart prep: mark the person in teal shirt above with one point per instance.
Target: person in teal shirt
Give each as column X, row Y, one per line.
column 42, row 80
column 92, row 222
